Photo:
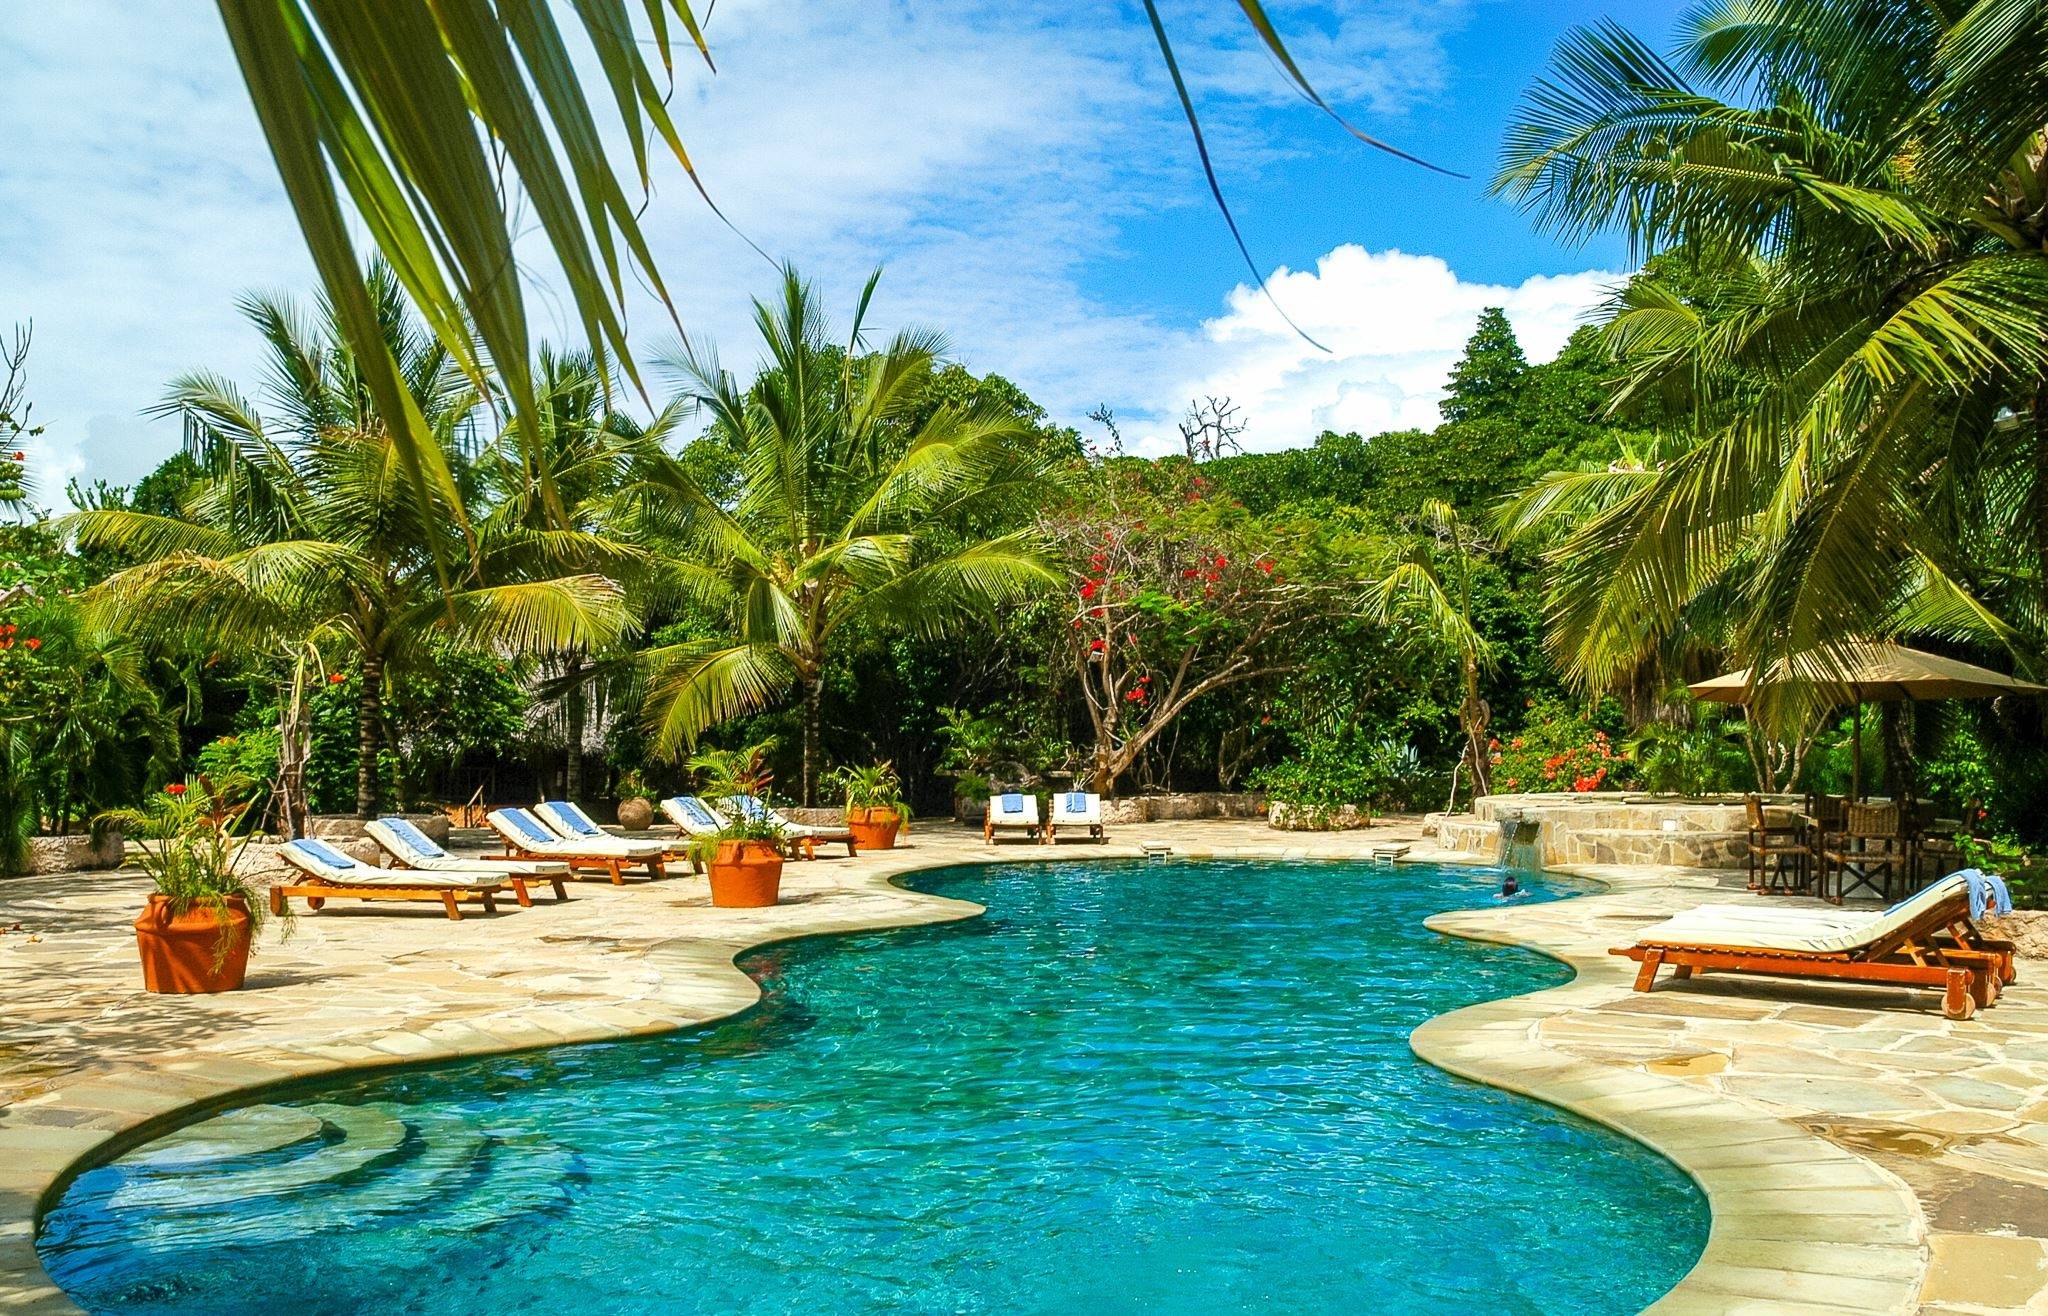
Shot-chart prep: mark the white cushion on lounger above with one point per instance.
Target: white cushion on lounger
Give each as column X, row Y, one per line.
column 1025, row 815
column 321, row 860
column 1088, row 815
column 1701, row 927
column 525, row 831
column 415, row 849
column 692, row 815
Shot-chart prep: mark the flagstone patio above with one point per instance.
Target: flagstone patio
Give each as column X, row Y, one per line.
column 1861, row 1153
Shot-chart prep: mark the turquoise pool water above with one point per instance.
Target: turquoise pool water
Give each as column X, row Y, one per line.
column 1130, row 1088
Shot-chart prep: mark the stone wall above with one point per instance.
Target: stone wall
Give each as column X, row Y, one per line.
column 348, row 827
column 67, row 854
column 1611, row 827
column 1297, row 818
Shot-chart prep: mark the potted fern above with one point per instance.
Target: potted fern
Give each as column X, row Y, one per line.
column 195, row 933
column 875, row 810
column 743, row 858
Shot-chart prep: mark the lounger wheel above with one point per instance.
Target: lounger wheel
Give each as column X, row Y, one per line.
column 1959, row 1000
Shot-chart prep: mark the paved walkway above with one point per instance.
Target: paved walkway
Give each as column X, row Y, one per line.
column 1861, row 1153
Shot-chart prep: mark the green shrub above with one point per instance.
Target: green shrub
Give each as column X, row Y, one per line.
column 1328, row 772
column 1559, row 748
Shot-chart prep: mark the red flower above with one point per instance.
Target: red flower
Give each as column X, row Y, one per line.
column 33, row 643
column 175, row 788
column 335, row 678
column 1077, row 623
column 1096, row 612
column 1222, row 561
column 1095, row 646
column 1097, row 560
column 1266, row 565
column 1088, row 590
column 1516, row 742
column 1190, row 574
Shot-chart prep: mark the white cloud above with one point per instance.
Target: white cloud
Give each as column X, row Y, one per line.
column 1394, row 324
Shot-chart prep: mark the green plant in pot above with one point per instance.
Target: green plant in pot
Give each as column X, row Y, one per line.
column 875, row 810
column 196, row 931
column 743, row 858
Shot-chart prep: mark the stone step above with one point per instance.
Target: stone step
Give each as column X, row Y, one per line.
column 367, row 1135
column 239, row 1134
column 436, row 1169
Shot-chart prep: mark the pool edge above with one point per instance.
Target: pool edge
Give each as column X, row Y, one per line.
column 1476, row 1042
column 1728, row 1148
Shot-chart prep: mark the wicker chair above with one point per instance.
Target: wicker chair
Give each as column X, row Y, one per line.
column 1779, row 858
column 1873, row 851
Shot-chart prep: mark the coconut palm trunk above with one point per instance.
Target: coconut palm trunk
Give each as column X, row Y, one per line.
column 575, row 713
column 369, row 728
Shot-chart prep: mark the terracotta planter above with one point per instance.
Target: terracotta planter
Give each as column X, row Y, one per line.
column 745, row 875
column 874, row 829
column 178, row 952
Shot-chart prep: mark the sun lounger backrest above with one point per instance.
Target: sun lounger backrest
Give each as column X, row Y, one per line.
column 752, row 809
column 321, row 854
column 1012, row 802
column 408, row 839
column 528, row 826
column 690, row 807
column 571, row 818
column 1077, row 801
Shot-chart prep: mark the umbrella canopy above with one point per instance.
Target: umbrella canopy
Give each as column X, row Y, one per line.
column 1877, row 672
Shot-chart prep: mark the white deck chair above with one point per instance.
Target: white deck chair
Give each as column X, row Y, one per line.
column 328, row 874
column 1076, row 811
column 572, row 821
column 411, row 848
column 525, row 836
column 802, row 837
column 1012, row 811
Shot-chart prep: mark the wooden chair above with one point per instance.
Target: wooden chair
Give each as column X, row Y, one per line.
column 1780, row 862
column 1872, row 852
column 1927, row 941
column 325, row 874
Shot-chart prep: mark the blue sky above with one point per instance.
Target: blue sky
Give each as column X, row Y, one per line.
column 1021, row 171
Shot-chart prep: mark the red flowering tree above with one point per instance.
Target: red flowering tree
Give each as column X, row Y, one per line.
column 1176, row 593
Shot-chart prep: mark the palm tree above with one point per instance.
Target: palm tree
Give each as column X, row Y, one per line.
column 845, row 486
column 1851, row 202
column 585, row 452
column 1429, row 591
column 307, row 537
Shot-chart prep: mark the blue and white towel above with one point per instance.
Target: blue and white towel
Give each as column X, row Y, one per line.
column 413, row 836
column 693, row 809
column 1077, row 801
column 1987, row 891
column 323, row 852
column 1013, row 802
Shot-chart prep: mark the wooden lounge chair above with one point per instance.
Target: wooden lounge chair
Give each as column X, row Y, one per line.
column 1925, row 941
column 1011, row 812
column 572, row 822
column 410, row 848
column 328, row 874
column 526, row 837
column 802, row 838
column 1076, row 811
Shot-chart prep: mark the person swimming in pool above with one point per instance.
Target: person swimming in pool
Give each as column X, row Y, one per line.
column 1510, row 888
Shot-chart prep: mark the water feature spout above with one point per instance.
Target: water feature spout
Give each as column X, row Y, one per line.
column 1521, row 842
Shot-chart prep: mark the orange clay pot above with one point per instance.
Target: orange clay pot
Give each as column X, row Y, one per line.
column 178, row 951
column 745, row 875
column 874, row 829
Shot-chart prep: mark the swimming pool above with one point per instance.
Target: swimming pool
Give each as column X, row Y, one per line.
column 1130, row 1087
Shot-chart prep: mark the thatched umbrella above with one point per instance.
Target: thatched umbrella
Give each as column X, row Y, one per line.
column 1877, row 672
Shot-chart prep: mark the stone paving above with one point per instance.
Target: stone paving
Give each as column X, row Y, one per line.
column 1860, row 1152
